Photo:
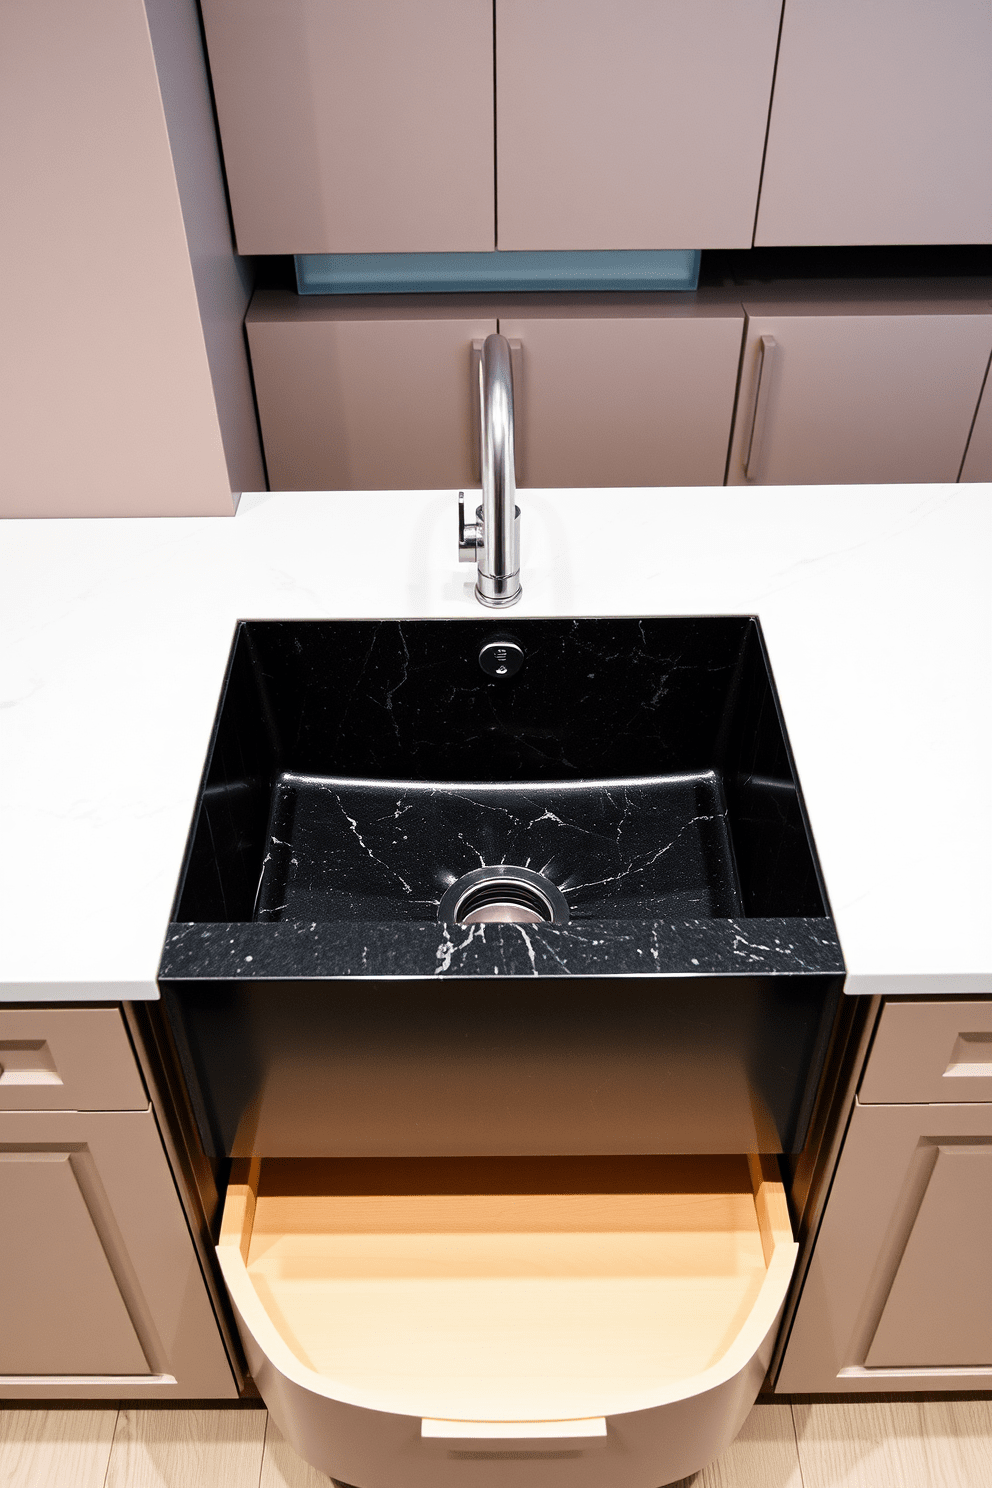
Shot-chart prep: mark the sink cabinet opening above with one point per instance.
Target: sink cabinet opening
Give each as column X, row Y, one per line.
column 507, row 1289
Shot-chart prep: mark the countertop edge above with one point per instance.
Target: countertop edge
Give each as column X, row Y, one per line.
column 919, row 984
column 48, row 992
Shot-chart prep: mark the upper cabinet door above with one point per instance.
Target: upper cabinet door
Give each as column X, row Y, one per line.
column 356, row 126
column 631, row 123
column 881, row 126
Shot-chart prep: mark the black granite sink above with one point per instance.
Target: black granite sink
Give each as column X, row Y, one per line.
column 639, row 768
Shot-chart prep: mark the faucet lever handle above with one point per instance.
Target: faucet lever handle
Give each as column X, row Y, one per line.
column 469, row 534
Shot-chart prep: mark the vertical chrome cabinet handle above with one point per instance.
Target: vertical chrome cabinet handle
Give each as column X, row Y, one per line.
column 762, row 394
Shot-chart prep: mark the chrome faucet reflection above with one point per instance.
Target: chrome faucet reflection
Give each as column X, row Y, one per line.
column 494, row 538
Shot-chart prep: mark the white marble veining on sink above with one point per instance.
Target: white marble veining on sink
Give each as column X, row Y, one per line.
column 875, row 601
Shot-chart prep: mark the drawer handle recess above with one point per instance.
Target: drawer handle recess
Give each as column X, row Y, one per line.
column 27, row 1062
column 513, row 1430
column 971, row 1058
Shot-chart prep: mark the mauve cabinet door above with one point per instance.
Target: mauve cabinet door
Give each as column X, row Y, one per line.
column 857, row 393
column 623, row 394
column 64, row 1313
column 101, row 1294
column 356, row 126
column 978, row 461
column 881, row 126
column 631, row 123
column 898, row 1295
column 946, row 1260
column 368, row 393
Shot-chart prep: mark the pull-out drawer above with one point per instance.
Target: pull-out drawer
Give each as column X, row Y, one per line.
column 67, row 1059
column 590, row 1320
column 928, row 1053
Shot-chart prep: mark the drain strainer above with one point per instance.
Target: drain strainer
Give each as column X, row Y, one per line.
column 503, row 895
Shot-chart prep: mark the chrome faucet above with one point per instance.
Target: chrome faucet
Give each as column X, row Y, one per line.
column 494, row 537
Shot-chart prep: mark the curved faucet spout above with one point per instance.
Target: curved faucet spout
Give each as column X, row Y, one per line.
column 498, row 583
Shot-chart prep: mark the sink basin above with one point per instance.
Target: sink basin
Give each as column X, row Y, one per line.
column 671, row 988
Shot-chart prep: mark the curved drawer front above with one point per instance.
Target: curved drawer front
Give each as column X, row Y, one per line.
column 583, row 1318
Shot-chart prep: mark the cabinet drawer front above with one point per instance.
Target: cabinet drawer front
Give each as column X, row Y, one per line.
column 927, row 1052
column 67, row 1059
column 390, row 1307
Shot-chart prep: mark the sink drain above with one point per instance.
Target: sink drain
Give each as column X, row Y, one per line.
column 503, row 896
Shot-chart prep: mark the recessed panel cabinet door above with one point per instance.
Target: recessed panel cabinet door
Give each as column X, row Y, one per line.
column 946, row 1261
column 101, row 1294
column 623, row 394
column 857, row 393
column 631, row 123
column 898, row 1295
column 62, row 1305
column 881, row 128
column 356, row 126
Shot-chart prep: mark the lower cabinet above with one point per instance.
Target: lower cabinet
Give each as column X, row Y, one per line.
column 101, row 1292
column 843, row 392
column 376, row 393
column 898, row 1294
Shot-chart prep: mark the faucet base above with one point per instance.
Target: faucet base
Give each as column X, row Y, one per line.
column 498, row 594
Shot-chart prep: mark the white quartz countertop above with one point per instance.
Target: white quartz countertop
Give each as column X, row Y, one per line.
column 876, row 603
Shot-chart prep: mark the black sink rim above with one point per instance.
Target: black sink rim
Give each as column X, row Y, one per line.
column 418, row 951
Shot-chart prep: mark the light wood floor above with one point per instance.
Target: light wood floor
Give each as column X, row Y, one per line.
column 908, row 1445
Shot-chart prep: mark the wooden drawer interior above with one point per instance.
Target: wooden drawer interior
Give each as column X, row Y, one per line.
column 507, row 1289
